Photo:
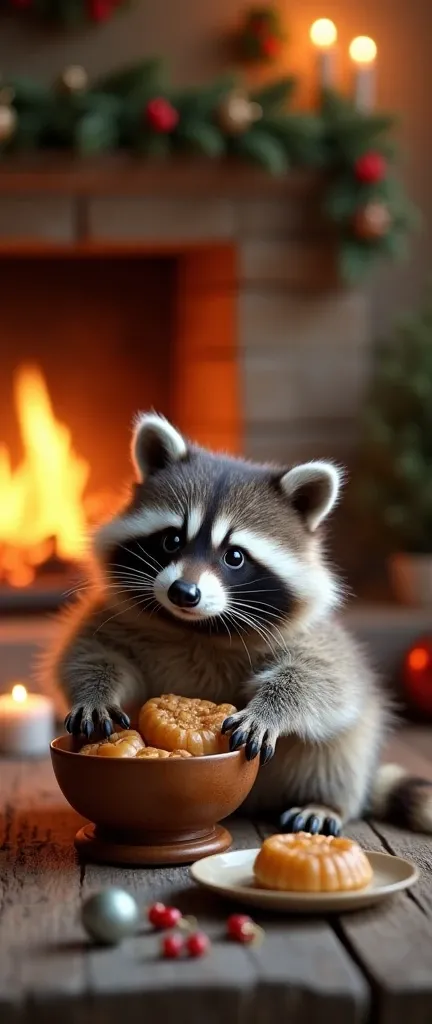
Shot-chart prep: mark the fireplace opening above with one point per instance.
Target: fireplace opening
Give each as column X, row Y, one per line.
column 84, row 344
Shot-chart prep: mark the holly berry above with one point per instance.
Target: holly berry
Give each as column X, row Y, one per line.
column 155, row 914
column 172, row 946
column 241, row 928
column 170, row 917
column 198, row 944
column 161, row 115
column 370, row 168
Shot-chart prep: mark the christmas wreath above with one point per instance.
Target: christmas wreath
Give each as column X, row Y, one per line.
column 134, row 110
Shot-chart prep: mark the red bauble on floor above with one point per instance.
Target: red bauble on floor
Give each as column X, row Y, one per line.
column 417, row 675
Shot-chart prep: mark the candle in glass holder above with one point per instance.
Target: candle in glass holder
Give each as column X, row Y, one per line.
column 363, row 51
column 26, row 723
column 323, row 35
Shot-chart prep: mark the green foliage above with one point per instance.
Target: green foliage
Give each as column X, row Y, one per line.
column 394, row 485
column 111, row 114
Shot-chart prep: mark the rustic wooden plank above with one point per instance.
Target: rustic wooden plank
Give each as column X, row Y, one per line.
column 41, row 950
column 393, row 944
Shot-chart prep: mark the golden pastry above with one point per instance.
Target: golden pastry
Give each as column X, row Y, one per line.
column 184, row 723
column 305, row 863
column 155, row 752
column 125, row 743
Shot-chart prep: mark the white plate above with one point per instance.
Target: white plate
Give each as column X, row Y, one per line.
column 231, row 875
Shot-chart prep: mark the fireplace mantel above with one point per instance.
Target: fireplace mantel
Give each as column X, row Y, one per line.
column 125, row 175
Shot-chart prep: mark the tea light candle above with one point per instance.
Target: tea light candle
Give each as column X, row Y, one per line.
column 363, row 51
column 323, row 35
column 26, row 722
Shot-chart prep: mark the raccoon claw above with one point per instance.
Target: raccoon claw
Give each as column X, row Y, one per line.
column 311, row 819
column 86, row 720
column 251, row 735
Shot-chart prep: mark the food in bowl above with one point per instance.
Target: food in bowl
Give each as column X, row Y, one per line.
column 125, row 743
column 183, row 723
column 154, row 753
column 312, row 863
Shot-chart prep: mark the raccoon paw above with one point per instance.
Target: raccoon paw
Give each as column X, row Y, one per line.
column 87, row 718
column 311, row 818
column 248, row 731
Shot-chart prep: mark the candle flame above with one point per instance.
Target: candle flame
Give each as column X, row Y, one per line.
column 363, row 50
column 19, row 693
column 323, row 33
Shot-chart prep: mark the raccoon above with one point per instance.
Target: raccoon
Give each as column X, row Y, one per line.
column 213, row 582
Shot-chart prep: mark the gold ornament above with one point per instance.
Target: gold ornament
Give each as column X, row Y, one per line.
column 372, row 221
column 237, row 113
column 8, row 121
column 73, row 79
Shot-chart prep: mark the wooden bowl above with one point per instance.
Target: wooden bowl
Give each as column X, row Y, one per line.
column 152, row 812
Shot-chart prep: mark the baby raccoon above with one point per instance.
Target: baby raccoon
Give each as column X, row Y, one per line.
column 212, row 583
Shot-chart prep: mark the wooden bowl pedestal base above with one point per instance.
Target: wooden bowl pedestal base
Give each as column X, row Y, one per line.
column 138, row 850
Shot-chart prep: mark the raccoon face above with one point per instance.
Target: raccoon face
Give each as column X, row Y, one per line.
column 220, row 545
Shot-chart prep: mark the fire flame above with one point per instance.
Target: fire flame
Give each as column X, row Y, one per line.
column 42, row 509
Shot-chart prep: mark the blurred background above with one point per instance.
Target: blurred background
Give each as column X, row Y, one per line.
column 212, row 295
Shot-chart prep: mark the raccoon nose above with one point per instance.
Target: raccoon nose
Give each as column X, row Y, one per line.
column 183, row 594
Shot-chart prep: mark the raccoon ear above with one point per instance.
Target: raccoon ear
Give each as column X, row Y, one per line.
column 155, row 444
column 313, row 490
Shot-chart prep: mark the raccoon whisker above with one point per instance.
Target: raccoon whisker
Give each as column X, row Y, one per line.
column 115, row 615
column 270, row 626
column 259, row 606
column 140, row 557
column 152, row 557
column 259, row 580
column 238, row 631
column 75, row 590
column 130, row 581
column 257, row 627
column 133, row 569
column 146, row 581
column 222, row 620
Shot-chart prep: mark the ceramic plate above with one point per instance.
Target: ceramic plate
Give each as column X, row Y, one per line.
column 231, row 875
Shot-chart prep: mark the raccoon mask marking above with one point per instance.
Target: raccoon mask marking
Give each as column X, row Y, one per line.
column 218, row 543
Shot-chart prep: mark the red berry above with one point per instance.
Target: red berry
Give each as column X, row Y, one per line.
column 155, row 914
column 270, row 46
column 370, row 168
column 172, row 946
column 198, row 944
column 170, row 917
column 241, row 928
column 161, row 115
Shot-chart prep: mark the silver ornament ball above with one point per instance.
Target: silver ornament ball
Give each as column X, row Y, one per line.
column 110, row 916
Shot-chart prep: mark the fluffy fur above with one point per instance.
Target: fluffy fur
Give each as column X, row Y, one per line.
column 212, row 582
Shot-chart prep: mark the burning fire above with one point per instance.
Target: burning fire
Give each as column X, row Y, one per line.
column 42, row 505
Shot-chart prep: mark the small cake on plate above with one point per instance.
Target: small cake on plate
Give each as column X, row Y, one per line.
column 125, row 743
column 154, row 753
column 305, row 863
column 184, row 723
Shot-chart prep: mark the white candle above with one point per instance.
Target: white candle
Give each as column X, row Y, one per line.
column 323, row 35
column 26, row 723
column 363, row 51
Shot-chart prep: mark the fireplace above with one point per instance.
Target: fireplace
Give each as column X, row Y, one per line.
column 92, row 338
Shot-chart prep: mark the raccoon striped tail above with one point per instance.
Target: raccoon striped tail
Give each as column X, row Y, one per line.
column 402, row 799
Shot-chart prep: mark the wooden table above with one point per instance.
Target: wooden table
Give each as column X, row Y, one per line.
column 373, row 966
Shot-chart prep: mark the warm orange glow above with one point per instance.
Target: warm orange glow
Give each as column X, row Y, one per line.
column 323, row 33
column 19, row 693
column 42, row 511
column 418, row 659
column 363, row 50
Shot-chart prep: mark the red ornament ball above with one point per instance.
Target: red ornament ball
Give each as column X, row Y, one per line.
column 370, row 168
column 172, row 946
column 161, row 115
column 198, row 944
column 417, row 675
column 156, row 913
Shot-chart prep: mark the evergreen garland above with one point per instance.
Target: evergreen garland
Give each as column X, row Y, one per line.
column 134, row 109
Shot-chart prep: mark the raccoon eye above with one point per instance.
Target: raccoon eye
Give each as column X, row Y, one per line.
column 171, row 542
column 234, row 558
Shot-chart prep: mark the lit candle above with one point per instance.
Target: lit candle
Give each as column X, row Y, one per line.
column 26, row 722
column 323, row 35
column 363, row 51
